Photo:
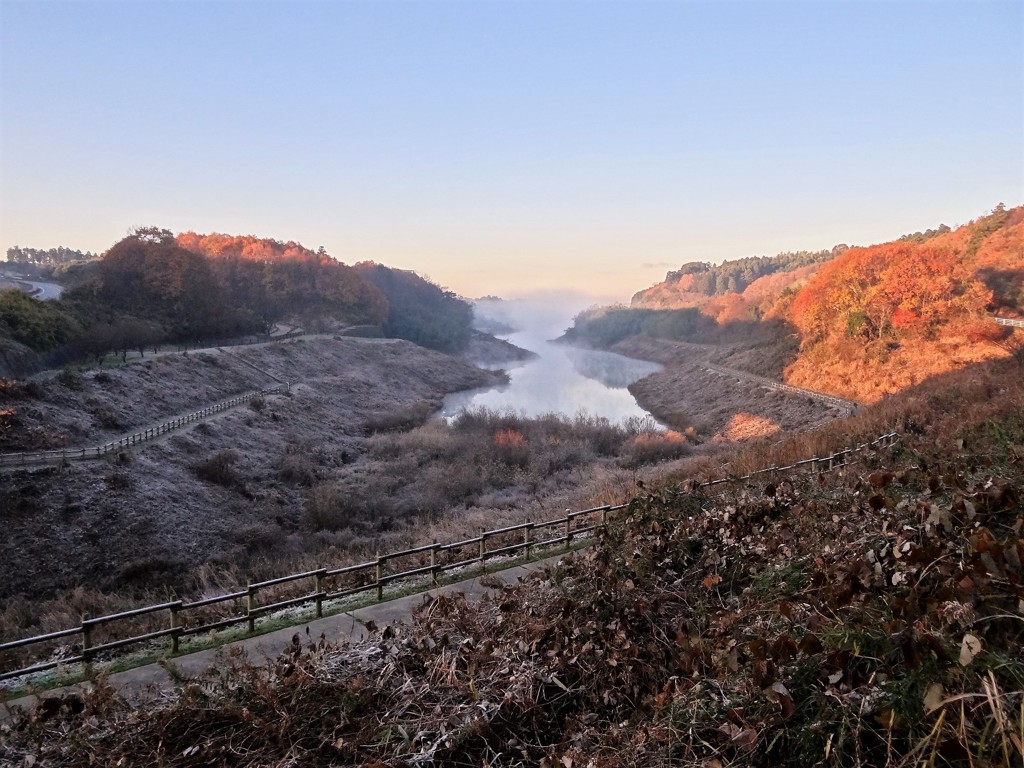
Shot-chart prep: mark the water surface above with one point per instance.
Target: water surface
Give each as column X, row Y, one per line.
column 562, row 379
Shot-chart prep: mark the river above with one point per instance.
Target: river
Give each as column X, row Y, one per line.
column 562, row 379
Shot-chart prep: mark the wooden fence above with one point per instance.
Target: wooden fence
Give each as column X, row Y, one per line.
column 1010, row 322
column 96, row 636
column 67, row 454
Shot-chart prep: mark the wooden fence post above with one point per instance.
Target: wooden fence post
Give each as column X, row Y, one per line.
column 250, row 605
column 379, row 573
column 86, row 637
column 527, row 539
column 483, row 548
column 604, row 519
column 568, row 529
column 175, row 624
column 433, row 563
column 319, row 587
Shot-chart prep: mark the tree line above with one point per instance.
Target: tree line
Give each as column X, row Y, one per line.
column 153, row 287
column 50, row 257
column 734, row 276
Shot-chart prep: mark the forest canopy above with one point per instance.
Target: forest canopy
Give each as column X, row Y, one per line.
column 153, row 286
column 419, row 310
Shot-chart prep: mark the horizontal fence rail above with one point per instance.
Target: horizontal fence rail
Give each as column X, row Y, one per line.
column 93, row 636
column 97, row 452
column 430, row 561
column 779, row 386
column 1013, row 323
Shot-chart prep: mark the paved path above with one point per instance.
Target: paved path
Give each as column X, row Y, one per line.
column 147, row 682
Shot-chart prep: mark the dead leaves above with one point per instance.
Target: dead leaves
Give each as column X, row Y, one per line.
column 970, row 647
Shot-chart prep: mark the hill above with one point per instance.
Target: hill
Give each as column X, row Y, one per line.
column 860, row 323
column 741, row 289
column 876, row 320
column 153, row 287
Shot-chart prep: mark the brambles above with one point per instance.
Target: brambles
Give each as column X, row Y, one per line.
column 219, row 469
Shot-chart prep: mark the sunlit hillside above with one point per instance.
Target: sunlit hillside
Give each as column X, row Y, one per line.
column 876, row 320
column 870, row 321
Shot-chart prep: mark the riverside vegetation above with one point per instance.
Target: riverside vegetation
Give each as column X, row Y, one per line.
column 350, row 461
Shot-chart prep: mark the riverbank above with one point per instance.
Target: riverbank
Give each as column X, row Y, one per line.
column 686, row 393
column 235, row 481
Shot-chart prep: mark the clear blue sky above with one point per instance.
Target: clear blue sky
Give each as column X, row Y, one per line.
column 499, row 147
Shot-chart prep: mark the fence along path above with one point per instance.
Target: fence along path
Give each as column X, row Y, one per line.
column 778, row 385
column 149, row 433
column 187, row 618
column 1013, row 323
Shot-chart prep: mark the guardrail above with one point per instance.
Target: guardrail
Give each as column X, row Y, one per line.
column 777, row 385
column 814, row 464
column 97, row 452
column 94, row 635
column 1010, row 322
column 432, row 560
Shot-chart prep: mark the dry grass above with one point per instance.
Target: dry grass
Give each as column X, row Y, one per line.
column 868, row 617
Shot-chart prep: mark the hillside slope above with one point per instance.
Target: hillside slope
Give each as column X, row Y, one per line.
column 868, row 321
column 869, row 615
column 231, row 489
column 879, row 319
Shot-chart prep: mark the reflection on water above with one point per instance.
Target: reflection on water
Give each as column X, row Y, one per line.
column 561, row 379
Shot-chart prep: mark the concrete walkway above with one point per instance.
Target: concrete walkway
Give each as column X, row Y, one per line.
column 149, row 681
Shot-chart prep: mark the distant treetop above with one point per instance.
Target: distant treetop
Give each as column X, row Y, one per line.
column 51, row 257
column 734, row 276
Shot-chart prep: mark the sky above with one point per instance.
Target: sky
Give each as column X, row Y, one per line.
column 510, row 147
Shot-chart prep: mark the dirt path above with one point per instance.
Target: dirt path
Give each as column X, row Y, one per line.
column 690, row 391
column 780, row 387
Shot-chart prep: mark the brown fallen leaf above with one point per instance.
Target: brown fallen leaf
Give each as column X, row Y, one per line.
column 969, row 648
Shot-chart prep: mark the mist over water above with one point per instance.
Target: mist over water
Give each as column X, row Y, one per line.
column 562, row 379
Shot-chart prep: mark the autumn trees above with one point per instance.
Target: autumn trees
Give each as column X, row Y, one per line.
column 910, row 288
column 269, row 279
column 153, row 286
column 419, row 310
column 882, row 318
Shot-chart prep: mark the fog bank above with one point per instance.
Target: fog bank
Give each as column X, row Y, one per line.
column 561, row 379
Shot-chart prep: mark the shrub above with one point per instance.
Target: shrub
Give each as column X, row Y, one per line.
column 259, row 537
column 401, row 419
column 297, row 469
column 654, row 447
column 13, row 389
column 511, row 448
column 70, row 378
column 110, row 419
column 219, row 469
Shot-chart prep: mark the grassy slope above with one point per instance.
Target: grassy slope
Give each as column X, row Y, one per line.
column 59, row 521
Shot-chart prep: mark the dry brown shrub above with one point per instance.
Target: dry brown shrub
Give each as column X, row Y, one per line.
column 219, row 469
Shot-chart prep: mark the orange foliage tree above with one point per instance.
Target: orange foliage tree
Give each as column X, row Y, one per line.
column 274, row 279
